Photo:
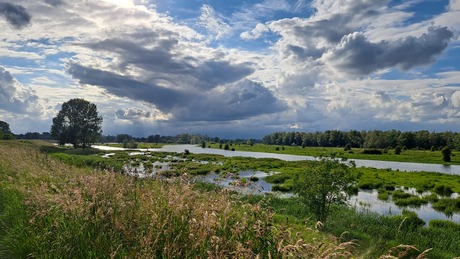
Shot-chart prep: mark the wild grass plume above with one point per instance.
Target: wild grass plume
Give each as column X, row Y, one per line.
column 50, row 209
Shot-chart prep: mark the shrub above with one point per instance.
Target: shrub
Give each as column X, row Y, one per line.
column 280, row 188
column 446, row 152
column 398, row 150
column 371, row 152
column 443, row 190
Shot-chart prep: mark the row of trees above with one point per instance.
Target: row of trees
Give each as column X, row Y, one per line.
column 422, row 139
column 183, row 138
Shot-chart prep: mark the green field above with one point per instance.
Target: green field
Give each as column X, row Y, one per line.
column 417, row 156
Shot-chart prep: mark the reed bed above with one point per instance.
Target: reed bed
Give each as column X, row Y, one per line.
column 49, row 209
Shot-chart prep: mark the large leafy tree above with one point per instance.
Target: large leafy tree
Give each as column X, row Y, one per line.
column 5, row 132
column 324, row 184
column 5, row 127
column 77, row 123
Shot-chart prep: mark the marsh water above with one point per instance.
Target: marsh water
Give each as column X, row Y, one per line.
column 401, row 166
column 252, row 182
column 365, row 200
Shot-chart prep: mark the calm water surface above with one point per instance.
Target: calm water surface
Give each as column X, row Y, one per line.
column 401, row 166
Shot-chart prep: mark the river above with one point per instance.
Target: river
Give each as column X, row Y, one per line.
column 401, row 166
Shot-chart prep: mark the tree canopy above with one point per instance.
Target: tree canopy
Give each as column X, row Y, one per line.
column 324, row 184
column 77, row 123
column 5, row 127
column 5, row 132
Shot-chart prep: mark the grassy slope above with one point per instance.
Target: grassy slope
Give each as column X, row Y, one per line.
column 418, row 156
column 50, row 209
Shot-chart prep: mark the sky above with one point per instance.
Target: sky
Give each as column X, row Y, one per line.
column 232, row 69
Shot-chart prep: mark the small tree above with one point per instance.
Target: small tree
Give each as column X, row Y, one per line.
column 203, row 144
column 323, row 185
column 347, row 147
column 446, row 152
column 129, row 143
column 398, row 150
column 77, row 123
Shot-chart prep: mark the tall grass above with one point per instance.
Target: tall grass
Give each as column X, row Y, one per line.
column 53, row 210
column 376, row 235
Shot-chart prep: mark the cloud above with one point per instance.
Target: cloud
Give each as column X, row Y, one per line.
column 132, row 114
column 454, row 5
column 455, row 98
column 16, row 15
column 54, row 2
column 164, row 63
column 124, row 86
column 357, row 55
column 240, row 100
column 214, row 22
column 15, row 98
column 257, row 32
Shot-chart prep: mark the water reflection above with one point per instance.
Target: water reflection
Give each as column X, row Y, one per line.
column 367, row 200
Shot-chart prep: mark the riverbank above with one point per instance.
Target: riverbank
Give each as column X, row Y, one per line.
column 396, row 166
column 414, row 156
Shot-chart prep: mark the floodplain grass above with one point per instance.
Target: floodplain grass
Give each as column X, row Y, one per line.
column 52, row 209
column 416, row 156
column 143, row 145
column 375, row 235
column 191, row 164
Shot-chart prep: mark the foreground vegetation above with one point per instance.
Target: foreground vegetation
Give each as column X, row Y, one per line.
column 71, row 203
column 50, row 209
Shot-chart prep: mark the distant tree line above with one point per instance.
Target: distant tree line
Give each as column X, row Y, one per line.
column 422, row 139
column 35, row 135
column 183, row 138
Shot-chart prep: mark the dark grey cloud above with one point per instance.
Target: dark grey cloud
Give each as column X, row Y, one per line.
column 123, row 86
column 327, row 26
column 359, row 56
column 54, row 2
column 16, row 15
column 134, row 114
column 159, row 63
column 239, row 100
column 16, row 99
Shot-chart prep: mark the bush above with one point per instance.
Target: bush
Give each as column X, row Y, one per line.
column 446, row 152
column 129, row 143
column 347, row 147
column 6, row 136
column 371, row 152
column 281, row 188
column 398, row 150
column 443, row 190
